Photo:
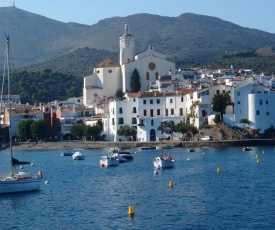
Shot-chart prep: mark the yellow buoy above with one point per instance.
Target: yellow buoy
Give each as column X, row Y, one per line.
column 218, row 170
column 131, row 210
column 258, row 161
column 256, row 156
column 171, row 184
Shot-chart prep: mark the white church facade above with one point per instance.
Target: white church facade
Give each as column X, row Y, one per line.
column 109, row 76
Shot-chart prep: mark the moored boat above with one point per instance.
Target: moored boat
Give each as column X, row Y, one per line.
column 247, row 149
column 163, row 162
column 109, row 160
column 78, row 154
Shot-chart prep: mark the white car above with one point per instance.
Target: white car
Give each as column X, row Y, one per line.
column 207, row 138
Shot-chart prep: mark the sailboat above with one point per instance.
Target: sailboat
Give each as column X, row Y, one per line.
column 16, row 181
column 163, row 162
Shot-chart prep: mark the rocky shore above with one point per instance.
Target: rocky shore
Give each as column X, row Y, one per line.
column 133, row 144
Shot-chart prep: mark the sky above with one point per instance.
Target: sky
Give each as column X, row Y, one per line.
column 257, row 14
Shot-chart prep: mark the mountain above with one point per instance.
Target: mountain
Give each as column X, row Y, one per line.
column 190, row 37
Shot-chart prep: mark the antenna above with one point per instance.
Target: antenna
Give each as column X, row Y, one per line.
column 14, row 3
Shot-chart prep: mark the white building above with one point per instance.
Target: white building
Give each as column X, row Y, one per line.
column 110, row 76
column 255, row 103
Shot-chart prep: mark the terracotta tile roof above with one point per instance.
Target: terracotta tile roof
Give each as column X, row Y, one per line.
column 107, row 63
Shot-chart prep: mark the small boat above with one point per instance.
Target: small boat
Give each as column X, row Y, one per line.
column 164, row 147
column 125, row 153
column 164, row 162
column 16, row 181
column 109, row 160
column 191, row 150
column 247, row 149
column 115, row 153
column 148, row 148
column 67, row 153
column 78, row 154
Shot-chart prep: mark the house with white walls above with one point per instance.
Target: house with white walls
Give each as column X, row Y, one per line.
column 255, row 103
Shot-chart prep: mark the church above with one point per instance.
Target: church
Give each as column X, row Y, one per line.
column 109, row 76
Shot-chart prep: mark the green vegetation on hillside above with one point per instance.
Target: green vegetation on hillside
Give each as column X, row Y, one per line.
column 45, row 86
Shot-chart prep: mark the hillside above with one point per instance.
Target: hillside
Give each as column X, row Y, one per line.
column 190, row 37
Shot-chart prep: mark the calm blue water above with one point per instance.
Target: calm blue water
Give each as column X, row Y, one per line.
column 81, row 195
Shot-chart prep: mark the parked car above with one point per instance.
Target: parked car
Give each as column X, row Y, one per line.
column 164, row 138
column 207, row 138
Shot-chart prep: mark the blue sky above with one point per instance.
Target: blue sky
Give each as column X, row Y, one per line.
column 257, row 14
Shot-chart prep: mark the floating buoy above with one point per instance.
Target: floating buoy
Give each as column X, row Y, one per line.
column 156, row 171
column 262, row 152
column 171, row 184
column 188, row 159
column 258, row 161
column 32, row 164
column 256, row 156
column 46, row 182
column 102, row 165
column 218, row 170
column 131, row 210
column 202, row 153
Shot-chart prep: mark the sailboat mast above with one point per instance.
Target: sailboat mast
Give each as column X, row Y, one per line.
column 9, row 101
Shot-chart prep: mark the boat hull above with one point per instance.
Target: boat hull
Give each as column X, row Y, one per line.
column 15, row 186
column 108, row 162
column 163, row 163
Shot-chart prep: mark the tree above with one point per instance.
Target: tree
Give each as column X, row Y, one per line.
column 192, row 115
column 93, row 131
column 186, row 129
column 217, row 118
column 167, row 127
column 135, row 81
column 24, row 129
column 127, row 131
column 78, row 130
column 119, row 93
column 220, row 102
column 39, row 129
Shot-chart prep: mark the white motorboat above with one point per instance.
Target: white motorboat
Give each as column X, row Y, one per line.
column 108, row 160
column 78, row 154
column 163, row 162
column 164, row 147
column 16, row 181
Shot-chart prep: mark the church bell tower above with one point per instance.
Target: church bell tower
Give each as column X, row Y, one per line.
column 127, row 47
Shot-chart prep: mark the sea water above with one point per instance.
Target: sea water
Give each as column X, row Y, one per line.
column 82, row 195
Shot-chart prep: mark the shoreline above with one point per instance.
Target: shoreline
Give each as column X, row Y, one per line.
column 65, row 145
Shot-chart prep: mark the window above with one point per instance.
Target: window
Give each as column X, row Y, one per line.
column 145, row 112
column 120, row 110
column 120, row 121
column 166, row 112
column 134, row 110
column 181, row 111
column 134, row 120
column 158, row 112
column 147, row 76
column 144, row 102
column 171, row 100
column 266, row 102
column 158, row 101
column 172, row 111
column 109, row 71
column 152, row 122
column 218, row 92
column 151, row 112
column 267, row 113
column 151, row 101
column 156, row 75
column 261, row 101
column 181, row 99
column 238, row 102
column 238, row 93
column 258, row 112
column 113, row 121
column 134, row 100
